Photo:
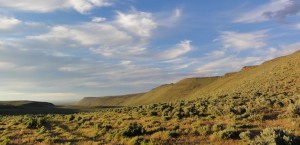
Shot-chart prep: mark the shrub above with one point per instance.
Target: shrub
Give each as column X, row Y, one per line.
column 256, row 117
column 205, row 130
column 153, row 113
column 217, row 127
column 5, row 141
column 160, row 136
column 246, row 136
column 133, row 129
column 136, row 140
column 33, row 122
column 166, row 118
column 228, row 134
column 71, row 117
column 293, row 110
column 173, row 134
column 274, row 136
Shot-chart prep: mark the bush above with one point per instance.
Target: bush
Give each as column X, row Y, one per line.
column 217, row 127
column 246, row 136
column 133, row 129
column 33, row 122
column 293, row 110
column 274, row 136
column 173, row 134
column 5, row 141
column 228, row 134
column 71, row 117
column 136, row 140
column 205, row 130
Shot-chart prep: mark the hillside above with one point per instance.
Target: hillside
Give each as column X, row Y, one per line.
column 177, row 91
column 163, row 93
column 282, row 75
column 25, row 104
column 259, row 105
column 277, row 77
column 109, row 100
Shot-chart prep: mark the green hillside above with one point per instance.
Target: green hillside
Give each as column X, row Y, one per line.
column 163, row 93
column 260, row 105
column 109, row 100
column 177, row 91
column 282, row 75
column 277, row 77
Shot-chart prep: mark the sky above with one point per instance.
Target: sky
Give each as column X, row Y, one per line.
column 63, row 50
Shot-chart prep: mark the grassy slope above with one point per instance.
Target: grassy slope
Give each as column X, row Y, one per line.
column 280, row 76
column 177, row 91
column 163, row 93
column 109, row 100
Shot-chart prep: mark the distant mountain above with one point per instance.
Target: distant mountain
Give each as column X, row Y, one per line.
column 277, row 77
column 25, row 104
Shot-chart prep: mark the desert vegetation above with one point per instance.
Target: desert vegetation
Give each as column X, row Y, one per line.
column 257, row 106
column 221, row 120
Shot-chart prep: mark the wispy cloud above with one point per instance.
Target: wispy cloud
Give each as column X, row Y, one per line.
column 180, row 49
column 98, row 19
column 242, row 41
column 277, row 10
column 138, row 23
column 7, row 23
column 82, row 6
column 227, row 64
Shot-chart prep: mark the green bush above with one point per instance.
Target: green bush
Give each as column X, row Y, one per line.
column 34, row 122
column 205, row 130
column 5, row 141
column 136, row 140
column 217, row 127
column 228, row 134
column 133, row 129
column 270, row 136
column 293, row 110
column 246, row 136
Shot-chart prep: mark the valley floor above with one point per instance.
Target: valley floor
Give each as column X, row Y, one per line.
column 199, row 121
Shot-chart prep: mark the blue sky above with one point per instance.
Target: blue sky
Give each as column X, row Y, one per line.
column 63, row 50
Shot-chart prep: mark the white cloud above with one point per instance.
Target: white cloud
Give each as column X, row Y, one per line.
column 86, row 34
column 241, row 41
column 128, row 35
column 169, row 19
column 180, row 49
column 138, row 23
column 216, row 53
column 288, row 49
column 276, row 9
column 98, row 19
column 82, row 6
column 8, row 22
column 227, row 64
column 126, row 62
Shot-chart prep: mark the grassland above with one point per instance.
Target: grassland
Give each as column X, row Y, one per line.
column 225, row 120
column 258, row 105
